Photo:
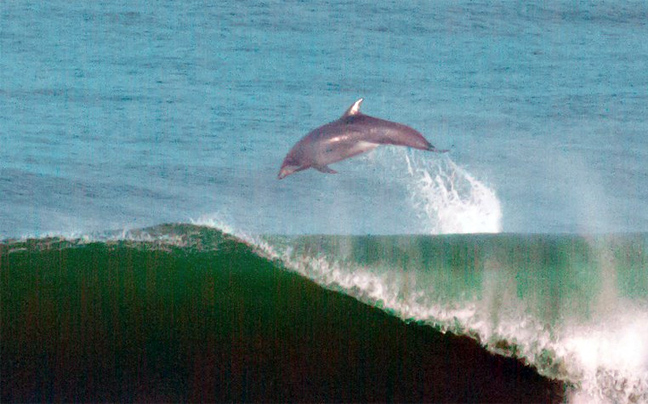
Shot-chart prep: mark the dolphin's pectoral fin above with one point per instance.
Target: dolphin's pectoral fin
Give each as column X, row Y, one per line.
column 325, row 169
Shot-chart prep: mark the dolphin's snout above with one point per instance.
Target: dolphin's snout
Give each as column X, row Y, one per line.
column 286, row 171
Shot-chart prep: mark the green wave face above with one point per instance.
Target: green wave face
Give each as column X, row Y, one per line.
column 575, row 308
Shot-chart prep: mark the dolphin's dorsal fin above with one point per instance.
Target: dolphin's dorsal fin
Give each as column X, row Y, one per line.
column 353, row 109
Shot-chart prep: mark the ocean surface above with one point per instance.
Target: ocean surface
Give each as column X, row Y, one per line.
column 181, row 313
column 529, row 237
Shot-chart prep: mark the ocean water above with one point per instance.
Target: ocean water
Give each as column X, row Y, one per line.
column 115, row 116
column 127, row 114
column 573, row 307
column 182, row 313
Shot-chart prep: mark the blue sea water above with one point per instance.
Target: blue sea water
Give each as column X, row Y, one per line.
column 124, row 114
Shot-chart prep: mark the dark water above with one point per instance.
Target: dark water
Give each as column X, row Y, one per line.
column 195, row 315
column 131, row 315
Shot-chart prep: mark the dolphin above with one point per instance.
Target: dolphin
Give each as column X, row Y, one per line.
column 354, row 133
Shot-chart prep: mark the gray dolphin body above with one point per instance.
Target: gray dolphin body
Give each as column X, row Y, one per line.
column 354, row 133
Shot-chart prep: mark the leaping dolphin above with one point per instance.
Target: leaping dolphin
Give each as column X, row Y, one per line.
column 354, row 133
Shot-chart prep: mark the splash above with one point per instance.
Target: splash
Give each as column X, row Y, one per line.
column 451, row 199
column 445, row 197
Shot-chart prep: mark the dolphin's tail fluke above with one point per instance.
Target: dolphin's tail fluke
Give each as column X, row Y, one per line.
column 434, row 149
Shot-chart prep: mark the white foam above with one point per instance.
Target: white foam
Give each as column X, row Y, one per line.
column 450, row 198
column 606, row 360
column 444, row 196
column 609, row 358
column 218, row 220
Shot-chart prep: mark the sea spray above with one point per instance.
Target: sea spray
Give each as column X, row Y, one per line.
column 610, row 357
column 444, row 197
column 531, row 297
column 450, row 198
